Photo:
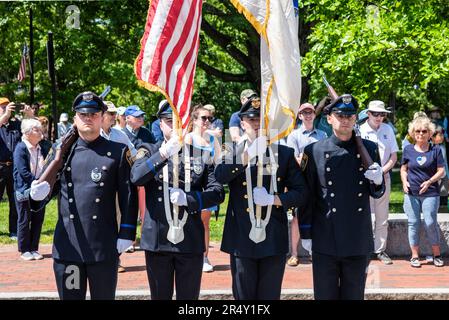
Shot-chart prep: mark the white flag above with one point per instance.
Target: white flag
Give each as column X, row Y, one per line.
column 277, row 23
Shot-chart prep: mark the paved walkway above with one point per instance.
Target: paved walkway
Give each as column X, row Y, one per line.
column 31, row 278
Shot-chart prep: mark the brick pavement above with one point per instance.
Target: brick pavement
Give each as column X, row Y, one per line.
column 18, row 276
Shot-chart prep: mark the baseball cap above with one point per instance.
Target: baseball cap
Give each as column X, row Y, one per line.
column 134, row 111
column 4, row 100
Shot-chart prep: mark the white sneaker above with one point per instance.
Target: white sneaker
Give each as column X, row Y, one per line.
column 429, row 258
column 37, row 255
column 207, row 267
column 131, row 249
column 27, row 256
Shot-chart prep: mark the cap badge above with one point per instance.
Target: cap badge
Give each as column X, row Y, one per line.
column 346, row 99
column 197, row 166
column 95, row 175
column 88, row 97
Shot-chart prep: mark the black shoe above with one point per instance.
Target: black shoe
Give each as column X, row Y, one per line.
column 382, row 256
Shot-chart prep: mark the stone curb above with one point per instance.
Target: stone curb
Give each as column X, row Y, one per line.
column 287, row 294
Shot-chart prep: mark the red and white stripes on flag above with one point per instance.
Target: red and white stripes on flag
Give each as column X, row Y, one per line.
column 23, row 63
column 169, row 49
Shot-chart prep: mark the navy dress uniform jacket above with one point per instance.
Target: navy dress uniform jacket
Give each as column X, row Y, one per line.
column 237, row 226
column 205, row 192
column 87, row 231
column 338, row 216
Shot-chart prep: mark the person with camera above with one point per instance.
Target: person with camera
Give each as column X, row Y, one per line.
column 10, row 136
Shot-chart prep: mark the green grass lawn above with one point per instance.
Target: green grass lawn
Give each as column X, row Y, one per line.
column 216, row 226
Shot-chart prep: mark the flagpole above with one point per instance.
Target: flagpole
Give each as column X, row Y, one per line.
column 176, row 130
column 31, row 55
column 51, row 73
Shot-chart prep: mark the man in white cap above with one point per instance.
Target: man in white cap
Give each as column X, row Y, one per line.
column 121, row 119
column 64, row 125
column 382, row 134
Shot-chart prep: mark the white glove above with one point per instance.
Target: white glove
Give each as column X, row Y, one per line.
column 170, row 147
column 123, row 244
column 258, row 147
column 307, row 244
column 262, row 198
column 178, row 197
column 374, row 173
column 39, row 191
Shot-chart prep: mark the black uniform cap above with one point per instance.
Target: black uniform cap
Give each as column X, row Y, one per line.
column 251, row 108
column 88, row 102
column 165, row 110
column 345, row 104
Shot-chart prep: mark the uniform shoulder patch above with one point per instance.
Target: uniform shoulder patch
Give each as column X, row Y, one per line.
column 128, row 157
column 142, row 152
column 304, row 161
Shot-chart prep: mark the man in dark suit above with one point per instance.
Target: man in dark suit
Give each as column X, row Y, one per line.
column 135, row 129
column 87, row 241
column 174, row 250
column 258, row 245
column 336, row 224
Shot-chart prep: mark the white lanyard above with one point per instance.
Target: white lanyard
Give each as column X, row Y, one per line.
column 176, row 233
column 249, row 190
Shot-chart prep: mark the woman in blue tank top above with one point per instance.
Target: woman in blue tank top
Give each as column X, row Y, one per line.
column 206, row 148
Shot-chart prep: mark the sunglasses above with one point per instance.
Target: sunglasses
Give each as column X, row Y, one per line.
column 421, row 131
column 204, row 118
column 306, row 113
column 378, row 114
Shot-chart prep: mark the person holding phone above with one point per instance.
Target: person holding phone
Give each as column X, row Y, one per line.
column 10, row 136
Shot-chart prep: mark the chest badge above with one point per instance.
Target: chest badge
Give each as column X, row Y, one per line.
column 421, row 160
column 197, row 166
column 95, row 175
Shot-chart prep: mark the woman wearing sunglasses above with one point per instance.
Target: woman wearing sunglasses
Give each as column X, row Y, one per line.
column 422, row 168
column 206, row 148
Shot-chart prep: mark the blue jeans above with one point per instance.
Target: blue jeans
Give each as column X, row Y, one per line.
column 413, row 205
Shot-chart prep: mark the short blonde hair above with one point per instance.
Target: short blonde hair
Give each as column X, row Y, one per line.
column 29, row 124
column 421, row 122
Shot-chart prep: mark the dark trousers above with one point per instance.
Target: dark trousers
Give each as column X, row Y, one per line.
column 29, row 226
column 72, row 277
column 6, row 178
column 164, row 269
column 2, row 188
column 257, row 279
column 339, row 278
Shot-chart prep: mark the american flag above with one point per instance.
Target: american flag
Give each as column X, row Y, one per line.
column 23, row 64
column 169, row 48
